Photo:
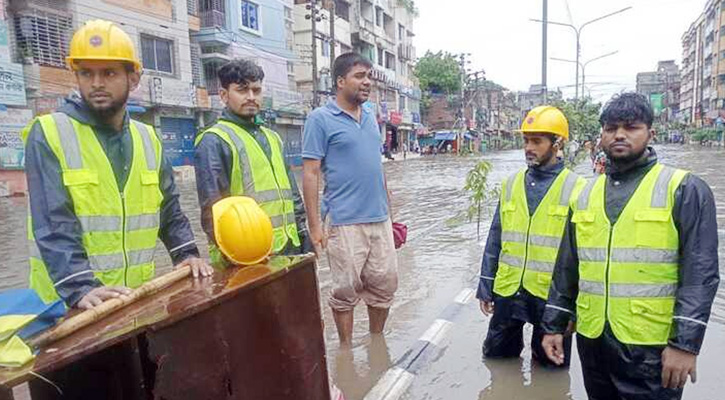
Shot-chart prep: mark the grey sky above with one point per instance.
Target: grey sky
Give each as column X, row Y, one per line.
column 507, row 45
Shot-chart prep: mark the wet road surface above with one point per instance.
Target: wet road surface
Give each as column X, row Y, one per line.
column 442, row 257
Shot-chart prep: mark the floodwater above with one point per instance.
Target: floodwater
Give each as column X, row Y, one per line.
column 441, row 258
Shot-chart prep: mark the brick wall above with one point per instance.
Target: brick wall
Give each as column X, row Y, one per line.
column 440, row 114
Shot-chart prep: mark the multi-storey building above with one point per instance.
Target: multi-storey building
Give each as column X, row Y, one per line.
column 702, row 92
column 382, row 31
column 327, row 46
column 15, row 111
column 181, row 44
column 260, row 30
column 171, row 95
column 662, row 88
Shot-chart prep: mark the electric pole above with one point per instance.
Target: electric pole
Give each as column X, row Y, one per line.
column 314, row 18
column 544, row 26
column 463, row 63
column 332, row 37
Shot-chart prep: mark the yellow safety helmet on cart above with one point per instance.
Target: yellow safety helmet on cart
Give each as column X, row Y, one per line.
column 243, row 231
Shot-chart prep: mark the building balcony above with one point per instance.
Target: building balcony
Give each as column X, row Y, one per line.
column 213, row 19
column 708, row 52
column 215, row 54
column 406, row 51
column 363, row 35
column 368, row 25
column 212, row 38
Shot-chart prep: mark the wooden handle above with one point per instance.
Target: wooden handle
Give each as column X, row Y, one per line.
column 88, row 317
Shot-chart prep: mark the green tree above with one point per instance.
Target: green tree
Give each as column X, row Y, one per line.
column 583, row 117
column 438, row 73
column 480, row 192
column 410, row 6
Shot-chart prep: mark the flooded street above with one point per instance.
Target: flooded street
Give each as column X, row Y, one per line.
column 442, row 258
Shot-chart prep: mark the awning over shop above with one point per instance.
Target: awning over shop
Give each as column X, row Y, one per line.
column 445, row 135
column 135, row 109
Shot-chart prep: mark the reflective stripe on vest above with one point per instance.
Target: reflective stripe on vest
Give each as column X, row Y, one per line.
column 530, row 244
column 277, row 202
column 632, row 282
column 119, row 232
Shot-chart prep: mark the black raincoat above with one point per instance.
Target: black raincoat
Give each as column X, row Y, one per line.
column 58, row 231
column 609, row 365
column 505, row 330
column 213, row 162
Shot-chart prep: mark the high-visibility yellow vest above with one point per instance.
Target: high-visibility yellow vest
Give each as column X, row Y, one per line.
column 120, row 225
column 261, row 178
column 530, row 244
column 628, row 273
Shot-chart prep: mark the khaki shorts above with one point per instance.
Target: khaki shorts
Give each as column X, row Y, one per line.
column 363, row 265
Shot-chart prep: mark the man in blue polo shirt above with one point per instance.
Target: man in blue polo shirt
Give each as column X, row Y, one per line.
column 342, row 141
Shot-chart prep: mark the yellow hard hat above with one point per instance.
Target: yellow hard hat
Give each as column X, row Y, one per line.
column 546, row 119
column 101, row 40
column 243, row 231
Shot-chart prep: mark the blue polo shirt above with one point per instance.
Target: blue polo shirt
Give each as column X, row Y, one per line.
column 350, row 157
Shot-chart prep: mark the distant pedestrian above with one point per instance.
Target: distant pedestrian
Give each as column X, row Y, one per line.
column 341, row 142
column 573, row 149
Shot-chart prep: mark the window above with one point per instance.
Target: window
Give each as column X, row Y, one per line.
column 287, row 12
column 290, row 41
column 290, row 68
column 157, row 54
column 43, row 36
column 192, row 7
column 390, row 61
column 196, row 65
column 367, row 51
column 378, row 16
column 381, row 56
column 401, row 32
column 250, row 15
column 342, row 10
column 211, row 78
column 325, row 48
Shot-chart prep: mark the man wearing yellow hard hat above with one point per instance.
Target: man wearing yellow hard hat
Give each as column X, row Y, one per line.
column 100, row 191
column 239, row 156
column 524, row 239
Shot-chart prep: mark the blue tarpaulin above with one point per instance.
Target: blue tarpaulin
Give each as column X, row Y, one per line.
column 22, row 315
column 449, row 135
column 135, row 109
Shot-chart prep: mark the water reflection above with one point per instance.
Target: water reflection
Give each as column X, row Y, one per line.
column 437, row 262
column 510, row 380
column 355, row 379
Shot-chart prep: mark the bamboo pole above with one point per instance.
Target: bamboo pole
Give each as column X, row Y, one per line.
column 88, row 317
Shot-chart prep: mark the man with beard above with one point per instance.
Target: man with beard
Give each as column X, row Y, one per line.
column 100, row 191
column 524, row 238
column 638, row 267
column 239, row 156
column 342, row 140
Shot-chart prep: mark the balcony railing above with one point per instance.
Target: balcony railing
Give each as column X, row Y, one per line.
column 212, row 19
column 406, row 51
